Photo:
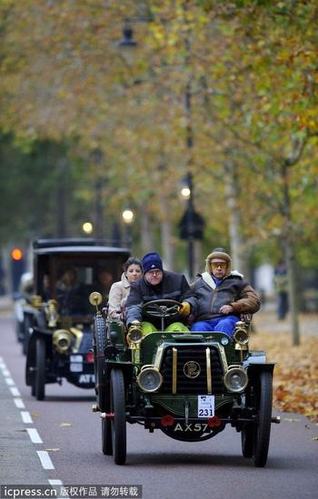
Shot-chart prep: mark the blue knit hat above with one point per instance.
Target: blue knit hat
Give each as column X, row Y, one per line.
column 151, row 261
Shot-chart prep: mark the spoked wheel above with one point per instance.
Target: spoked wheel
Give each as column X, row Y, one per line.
column 39, row 379
column 107, row 445
column 118, row 408
column 264, row 418
column 102, row 390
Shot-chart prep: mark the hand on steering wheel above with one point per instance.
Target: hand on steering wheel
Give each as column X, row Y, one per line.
column 161, row 308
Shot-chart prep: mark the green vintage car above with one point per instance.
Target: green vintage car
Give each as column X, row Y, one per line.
column 188, row 385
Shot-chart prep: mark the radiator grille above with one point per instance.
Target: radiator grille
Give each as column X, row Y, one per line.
column 184, row 384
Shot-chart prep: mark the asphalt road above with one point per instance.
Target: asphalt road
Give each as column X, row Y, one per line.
column 59, row 439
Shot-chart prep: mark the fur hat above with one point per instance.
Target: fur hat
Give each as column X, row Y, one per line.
column 218, row 253
column 151, row 261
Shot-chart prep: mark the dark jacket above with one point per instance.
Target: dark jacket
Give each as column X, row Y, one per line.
column 172, row 287
column 206, row 298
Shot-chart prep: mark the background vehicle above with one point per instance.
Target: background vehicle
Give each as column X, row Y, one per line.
column 59, row 318
column 188, row 385
column 21, row 308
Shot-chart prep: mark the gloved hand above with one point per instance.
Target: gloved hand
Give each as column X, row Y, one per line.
column 185, row 309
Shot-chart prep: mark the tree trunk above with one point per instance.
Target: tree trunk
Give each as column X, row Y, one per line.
column 288, row 241
column 238, row 250
column 292, row 292
column 146, row 234
column 167, row 249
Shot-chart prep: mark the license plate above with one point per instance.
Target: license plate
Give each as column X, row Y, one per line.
column 76, row 367
column 206, row 406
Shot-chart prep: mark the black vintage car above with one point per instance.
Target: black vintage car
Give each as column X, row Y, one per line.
column 58, row 318
column 188, row 385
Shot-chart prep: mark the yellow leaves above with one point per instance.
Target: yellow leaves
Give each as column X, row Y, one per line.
column 295, row 387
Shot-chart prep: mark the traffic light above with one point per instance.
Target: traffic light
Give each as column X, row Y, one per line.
column 17, row 267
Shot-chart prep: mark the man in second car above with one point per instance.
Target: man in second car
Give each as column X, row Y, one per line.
column 156, row 284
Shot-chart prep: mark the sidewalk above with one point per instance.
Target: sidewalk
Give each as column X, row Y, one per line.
column 6, row 304
column 266, row 321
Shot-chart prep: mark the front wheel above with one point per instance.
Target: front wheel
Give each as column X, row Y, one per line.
column 264, row 419
column 107, row 445
column 118, row 409
column 39, row 379
column 247, row 440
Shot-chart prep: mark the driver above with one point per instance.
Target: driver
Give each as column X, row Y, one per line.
column 156, row 284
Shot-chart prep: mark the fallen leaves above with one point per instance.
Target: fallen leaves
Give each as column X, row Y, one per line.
column 295, row 386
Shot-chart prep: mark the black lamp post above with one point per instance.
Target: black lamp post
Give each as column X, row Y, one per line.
column 191, row 224
column 128, row 218
column 128, row 37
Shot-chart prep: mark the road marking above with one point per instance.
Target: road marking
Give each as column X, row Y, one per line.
column 19, row 403
column 34, row 436
column 58, row 483
column 15, row 392
column 9, row 381
column 26, row 417
column 45, row 460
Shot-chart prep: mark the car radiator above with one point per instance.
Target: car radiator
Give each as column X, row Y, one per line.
column 192, row 370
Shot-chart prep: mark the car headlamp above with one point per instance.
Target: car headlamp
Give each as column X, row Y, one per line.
column 236, row 379
column 240, row 334
column 62, row 340
column 134, row 334
column 149, row 379
column 241, row 337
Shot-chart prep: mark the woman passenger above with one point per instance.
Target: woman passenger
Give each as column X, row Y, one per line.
column 119, row 291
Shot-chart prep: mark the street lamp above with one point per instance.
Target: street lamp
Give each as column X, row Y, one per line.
column 87, row 227
column 128, row 218
column 191, row 224
column 128, row 37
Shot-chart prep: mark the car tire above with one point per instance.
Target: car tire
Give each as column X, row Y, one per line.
column 39, row 378
column 107, row 445
column 264, row 419
column 27, row 324
column 118, row 422
column 102, row 387
column 247, row 440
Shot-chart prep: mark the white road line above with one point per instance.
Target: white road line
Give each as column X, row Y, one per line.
column 15, row 392
column 45, row 460
column 9, row 381
column 19, row 403
column 34, row 436
column 58, row 484
column 26, row 417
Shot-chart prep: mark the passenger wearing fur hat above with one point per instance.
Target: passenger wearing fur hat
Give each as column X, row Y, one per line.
column 156, row 284
column 219, row 295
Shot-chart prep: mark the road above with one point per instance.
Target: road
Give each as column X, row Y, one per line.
column 67, row 432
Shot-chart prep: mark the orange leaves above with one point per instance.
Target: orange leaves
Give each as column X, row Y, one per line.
column 295, row 387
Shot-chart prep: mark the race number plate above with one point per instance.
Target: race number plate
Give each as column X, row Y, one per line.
column 206, row 406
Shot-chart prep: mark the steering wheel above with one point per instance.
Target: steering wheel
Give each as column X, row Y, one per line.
column 161, row 308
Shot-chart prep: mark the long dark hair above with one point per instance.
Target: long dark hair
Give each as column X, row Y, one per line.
column 132, row 260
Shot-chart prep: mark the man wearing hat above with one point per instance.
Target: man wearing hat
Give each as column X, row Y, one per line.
column 219, row 296
column 156, row 284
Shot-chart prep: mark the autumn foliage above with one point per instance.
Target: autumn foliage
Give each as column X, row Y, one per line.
column 295, row 386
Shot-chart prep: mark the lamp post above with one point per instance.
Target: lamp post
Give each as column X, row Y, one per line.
column 191, row 224
column 128, row 218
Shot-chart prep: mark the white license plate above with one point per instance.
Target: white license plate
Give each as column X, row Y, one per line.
column 76, row 358
column 76, row 367
column 206, row 406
